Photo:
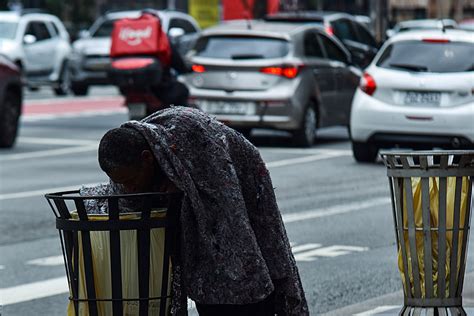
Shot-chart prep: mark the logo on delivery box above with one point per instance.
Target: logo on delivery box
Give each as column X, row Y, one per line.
column 134, row 37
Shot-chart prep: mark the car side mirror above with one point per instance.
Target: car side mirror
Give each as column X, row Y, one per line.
column 29, row 39
column 176, row 32
column 84, row 34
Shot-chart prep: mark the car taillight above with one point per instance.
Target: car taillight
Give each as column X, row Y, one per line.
column 198, row 68
column 289, row 72
column 435, row 40
column 367, row 84
column 329, row 30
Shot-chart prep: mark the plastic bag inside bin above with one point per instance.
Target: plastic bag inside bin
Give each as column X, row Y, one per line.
column 434, row 222
column 100, row 246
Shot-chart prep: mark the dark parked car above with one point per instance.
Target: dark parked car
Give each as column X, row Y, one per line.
column 10, row 101
column 354, row 35
column 291, row 77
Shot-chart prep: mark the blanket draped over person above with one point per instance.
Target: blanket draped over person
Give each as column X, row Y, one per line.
column 233, row 247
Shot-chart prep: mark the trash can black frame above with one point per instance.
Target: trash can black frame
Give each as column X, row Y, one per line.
column 69, row 229
column 401, row 168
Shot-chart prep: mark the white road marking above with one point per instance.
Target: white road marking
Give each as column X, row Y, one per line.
column 56, row 141
column 43, row 117
column 21, row 195
column 299, row 160
column 49, row 153
column 334, row 210
column 331, row 252
column 2, row 267
column 32, row 103
column 377, row 310
column 304, row 247
column 47, row 261
column 301, row 151
column 32, row 291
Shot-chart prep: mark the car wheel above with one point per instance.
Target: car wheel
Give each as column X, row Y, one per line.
column 305, row 135
column 364, row 152
column 79, row 89
column 64, row 82
column 10, row 110
column 246, row 132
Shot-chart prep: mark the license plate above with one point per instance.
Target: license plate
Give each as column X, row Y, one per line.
column 422, row 98
column 226, row 107
column 136, row 111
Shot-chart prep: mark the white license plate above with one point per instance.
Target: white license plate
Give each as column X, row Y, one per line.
column 422, row 98
column 226, row 107
column 136, row 110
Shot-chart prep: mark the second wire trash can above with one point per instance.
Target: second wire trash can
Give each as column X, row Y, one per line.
column 117, row 263
column 431, row 199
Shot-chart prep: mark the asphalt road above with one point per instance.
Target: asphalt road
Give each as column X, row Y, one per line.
column 337, row 212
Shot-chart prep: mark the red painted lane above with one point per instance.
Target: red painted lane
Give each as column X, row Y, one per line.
column 70, row 106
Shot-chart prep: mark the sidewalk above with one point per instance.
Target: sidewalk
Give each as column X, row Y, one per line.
column 391, row 304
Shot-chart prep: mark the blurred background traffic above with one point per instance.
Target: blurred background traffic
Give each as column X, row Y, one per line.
column 319, row 86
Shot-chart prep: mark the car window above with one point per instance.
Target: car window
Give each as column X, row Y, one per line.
column 427, row 56
column 312, row 47
column 343, row 29
column 241, row 47
column 333, row 52
column 55, row 28
column 364, row 35
column 8, row 30
column 39, row 30
column 104, row 29
column 187, row 26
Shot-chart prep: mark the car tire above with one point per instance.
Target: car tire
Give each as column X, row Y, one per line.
column 246, row 132
column 364, row 152
column 79, row 89
column 10, row 110
column 305, row 135
column 64, row 82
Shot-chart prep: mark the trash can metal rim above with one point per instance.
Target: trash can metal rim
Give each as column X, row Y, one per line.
column 434, row 172
column 433, row 302
column 110, row 225
column 426, row 152
column 74, row 195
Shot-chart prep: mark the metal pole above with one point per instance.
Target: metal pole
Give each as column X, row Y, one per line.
column 171, row 5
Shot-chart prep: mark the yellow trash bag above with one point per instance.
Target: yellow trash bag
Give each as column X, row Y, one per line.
column 434, row 211
column 129, row 263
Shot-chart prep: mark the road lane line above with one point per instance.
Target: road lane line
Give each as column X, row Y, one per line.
column 47, row 261
column 304, row 247
column 26, row 194
column 334, row 210
column 42, row 117
column 49, row 153
column 306, row 151
column 57, row 141
column 300, row 160
column 377, row 310
column 32, row 291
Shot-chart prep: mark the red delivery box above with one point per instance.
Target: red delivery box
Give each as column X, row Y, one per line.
column 142, row 36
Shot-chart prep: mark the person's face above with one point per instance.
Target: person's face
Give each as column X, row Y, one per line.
column 137, row 178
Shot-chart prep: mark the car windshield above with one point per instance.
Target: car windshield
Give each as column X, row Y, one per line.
column 8, row 30
column 104, row 29
column 428, row 56
column 241, row 47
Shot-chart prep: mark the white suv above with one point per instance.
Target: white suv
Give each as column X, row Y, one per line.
column 418, row 92
column 39, row 44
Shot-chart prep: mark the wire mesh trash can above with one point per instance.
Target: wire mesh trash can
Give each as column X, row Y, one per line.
column 117, row 263
column 431, row 201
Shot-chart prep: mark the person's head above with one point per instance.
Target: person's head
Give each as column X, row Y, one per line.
column 124, row 154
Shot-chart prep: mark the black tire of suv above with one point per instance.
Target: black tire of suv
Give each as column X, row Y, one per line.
column 79, row 89
column 64, row 82
column 10, row 110
column 364, row 152
column 303, row 136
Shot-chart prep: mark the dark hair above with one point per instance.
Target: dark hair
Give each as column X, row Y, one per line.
column 121, row 147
